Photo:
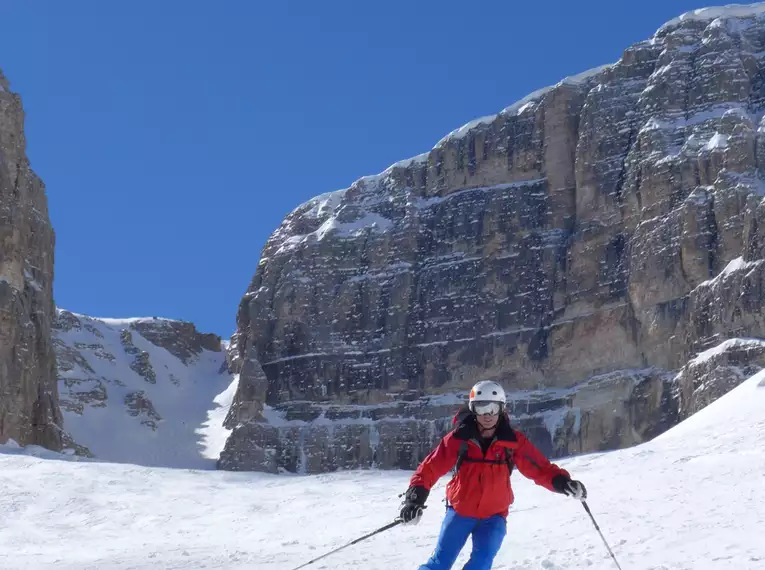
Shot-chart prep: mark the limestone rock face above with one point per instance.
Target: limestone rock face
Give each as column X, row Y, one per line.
column 716, row 371
column 29, row 412
column 138, row 404
column 179, row 338
column 141, row 363
column 580, row 247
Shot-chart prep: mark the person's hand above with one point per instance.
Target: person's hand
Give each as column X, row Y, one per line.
column 414, row 503
column 568, row 486
column 410, row 513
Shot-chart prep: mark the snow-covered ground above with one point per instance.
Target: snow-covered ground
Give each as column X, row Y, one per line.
column 692, row 499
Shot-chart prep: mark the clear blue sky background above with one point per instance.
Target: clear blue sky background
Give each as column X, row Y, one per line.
column 174, row 136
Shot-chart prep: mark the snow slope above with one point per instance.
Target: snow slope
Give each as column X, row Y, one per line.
column 169, row 416
column 691, row 499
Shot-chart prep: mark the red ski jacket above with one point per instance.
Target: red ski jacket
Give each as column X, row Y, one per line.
column 481, row 486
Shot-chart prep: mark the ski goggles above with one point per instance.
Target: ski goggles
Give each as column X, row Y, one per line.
column 486, row 408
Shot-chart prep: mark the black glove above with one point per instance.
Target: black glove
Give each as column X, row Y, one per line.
column 567, row 486
column 414, row 503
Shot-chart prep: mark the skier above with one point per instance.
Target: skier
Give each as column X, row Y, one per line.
column 483, row 449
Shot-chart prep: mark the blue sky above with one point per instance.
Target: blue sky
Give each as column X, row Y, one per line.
column 174, row 136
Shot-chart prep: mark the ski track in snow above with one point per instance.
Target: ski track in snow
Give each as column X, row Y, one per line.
column 690, row 499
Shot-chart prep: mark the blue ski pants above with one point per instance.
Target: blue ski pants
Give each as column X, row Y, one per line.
column 488, row 535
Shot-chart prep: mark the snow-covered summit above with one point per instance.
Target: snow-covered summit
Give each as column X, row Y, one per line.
column 150, row 391
column 712, row 13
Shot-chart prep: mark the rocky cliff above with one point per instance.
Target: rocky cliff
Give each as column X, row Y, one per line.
column 584, row 247
column 29, row 412
column 148, row 391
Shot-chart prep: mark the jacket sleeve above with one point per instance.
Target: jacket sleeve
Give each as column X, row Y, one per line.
column 534, row 465
column 437, row 463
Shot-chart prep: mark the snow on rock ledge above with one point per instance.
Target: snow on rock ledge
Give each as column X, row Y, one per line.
column 730, row 11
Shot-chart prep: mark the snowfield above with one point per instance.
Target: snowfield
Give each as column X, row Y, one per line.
column 693, row 498
column 190, row 399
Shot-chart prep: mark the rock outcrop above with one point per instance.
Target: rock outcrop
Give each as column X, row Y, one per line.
column 29, row 412
column 179, row 338
column 580, row 247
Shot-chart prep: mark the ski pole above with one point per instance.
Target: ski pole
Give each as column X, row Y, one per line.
column 586, row 508
column 379, row 530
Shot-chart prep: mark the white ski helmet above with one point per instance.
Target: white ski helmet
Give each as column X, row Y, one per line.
column 484, row 392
